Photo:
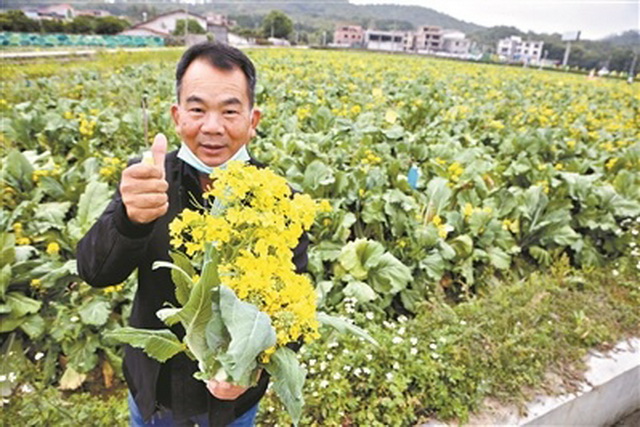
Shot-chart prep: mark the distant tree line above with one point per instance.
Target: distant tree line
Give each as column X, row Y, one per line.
column 16, row 20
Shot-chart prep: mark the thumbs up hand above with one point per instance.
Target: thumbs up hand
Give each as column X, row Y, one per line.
column 143, row 186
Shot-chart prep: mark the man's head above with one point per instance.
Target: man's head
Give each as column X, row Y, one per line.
column 214, row 114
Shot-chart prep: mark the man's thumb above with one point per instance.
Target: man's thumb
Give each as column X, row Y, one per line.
column 159, row 151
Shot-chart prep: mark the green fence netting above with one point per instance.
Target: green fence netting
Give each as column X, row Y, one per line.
column 51, row 40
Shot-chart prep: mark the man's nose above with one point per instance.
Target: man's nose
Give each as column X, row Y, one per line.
column 212, row 123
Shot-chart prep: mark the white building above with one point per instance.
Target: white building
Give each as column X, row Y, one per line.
column 163, row 25
column 384, row 40
column 454, row 42
column 514, row 49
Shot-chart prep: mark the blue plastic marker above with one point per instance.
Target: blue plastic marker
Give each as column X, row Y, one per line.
column 413, row 176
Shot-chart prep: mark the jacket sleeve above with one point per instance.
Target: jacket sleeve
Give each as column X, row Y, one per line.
column 113, row 247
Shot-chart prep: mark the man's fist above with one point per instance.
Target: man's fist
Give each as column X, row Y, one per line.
column 144, row 188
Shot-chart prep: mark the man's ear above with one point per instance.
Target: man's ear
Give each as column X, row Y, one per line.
column 255, row 120
column 175, row 115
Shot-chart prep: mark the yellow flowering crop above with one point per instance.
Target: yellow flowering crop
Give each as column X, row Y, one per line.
column 255, row 222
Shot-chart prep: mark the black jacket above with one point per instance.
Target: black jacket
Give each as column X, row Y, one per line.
column 111, row 250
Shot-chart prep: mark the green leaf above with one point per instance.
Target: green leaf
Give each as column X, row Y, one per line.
column 288, row 380
column 216, row 333
column 169, row 315
column 183, row 282
column 18, row 170
column 463, row 245
column 499, row 258
column 343, row 326
column 21, row 304
column 316, row 175
column 360, row 291
column 5, row 279
column 7, row 248
column 82, row 352
column 358, row 256
column 390, row 275
column 438, row 196
column 33, row 326
column 181, row 279
column 51, row 215
column 95, row 312
column 160, row 344
column 197, row 312
column 251, row 333
column 92, row 202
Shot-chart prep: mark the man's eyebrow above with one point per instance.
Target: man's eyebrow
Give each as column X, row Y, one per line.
column 194, row 98
column 231, row 101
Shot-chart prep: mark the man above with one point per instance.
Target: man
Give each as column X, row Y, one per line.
column 215, row 118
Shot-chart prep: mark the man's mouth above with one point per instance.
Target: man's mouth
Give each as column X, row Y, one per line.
column 212, row 148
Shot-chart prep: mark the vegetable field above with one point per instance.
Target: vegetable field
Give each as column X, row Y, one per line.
column 517, row 170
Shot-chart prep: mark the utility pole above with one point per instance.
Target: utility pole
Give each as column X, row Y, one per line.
column 632, row 68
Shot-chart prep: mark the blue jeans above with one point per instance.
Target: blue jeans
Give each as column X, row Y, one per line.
column 164, row 418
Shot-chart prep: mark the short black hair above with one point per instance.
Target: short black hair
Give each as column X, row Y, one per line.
column 222, row 57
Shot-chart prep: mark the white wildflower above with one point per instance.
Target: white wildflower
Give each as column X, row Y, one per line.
column 336, row 376
column 433, row 346
column 389, row 376
column 413, row 351
column 39, row 355
column 413, row 340
column 402, row 318
column 74, row 319
column 402, row 330
column 369, row 357
column 324, row 384
column 396, row 340
column 27, row 388
column 369, row 315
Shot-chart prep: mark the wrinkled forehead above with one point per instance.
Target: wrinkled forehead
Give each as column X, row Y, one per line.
column 204, row 80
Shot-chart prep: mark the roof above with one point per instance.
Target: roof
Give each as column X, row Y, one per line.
column 141, row 24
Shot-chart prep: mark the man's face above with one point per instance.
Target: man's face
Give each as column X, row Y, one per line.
column 213, row 116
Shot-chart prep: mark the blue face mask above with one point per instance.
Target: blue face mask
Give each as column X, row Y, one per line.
column 186, row 155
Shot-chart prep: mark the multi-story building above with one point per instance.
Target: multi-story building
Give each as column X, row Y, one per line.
column 384, row 40
column 454, row 42
column 514, row 49
column 348, row 35
column 428, row 38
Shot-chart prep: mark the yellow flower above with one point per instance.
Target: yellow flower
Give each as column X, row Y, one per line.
column 467, row 210
column 36, row 283
column 611, row 163
column 325, row 206
column 391, row 116
column 23, row 241
column 68, row 115
column 53, row 248
column 437, row 220
column 376, row 92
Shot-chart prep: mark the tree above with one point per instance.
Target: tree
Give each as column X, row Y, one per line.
column 110, row 25
column 16, row 20
column 277, row 24
column 82, row 25
column 193, row 26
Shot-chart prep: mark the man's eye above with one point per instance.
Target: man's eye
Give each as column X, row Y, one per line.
column 230, row 112
column 196, row 110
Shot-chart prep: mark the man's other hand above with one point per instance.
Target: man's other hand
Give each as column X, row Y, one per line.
column 143, row 186
column 224, row 390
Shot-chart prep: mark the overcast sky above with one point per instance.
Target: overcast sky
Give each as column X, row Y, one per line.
column 595, row 18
